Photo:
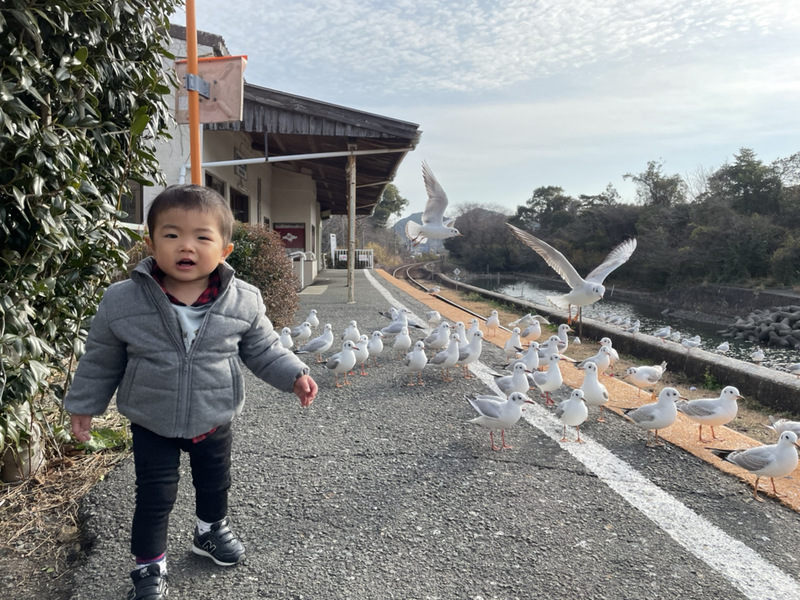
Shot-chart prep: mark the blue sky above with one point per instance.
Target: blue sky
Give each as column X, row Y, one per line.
column 514, row 95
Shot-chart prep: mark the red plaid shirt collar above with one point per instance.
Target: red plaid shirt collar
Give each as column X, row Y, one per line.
column 209, row 295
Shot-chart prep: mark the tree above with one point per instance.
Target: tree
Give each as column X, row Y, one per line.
column 749, row 185
column 547, row 208
column 607, row 197
column 391, row 203
column 654, row 187
column 82, row 86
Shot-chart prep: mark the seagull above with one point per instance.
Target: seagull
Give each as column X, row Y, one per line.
column 312, row 318
column 602, row 360
column 781, row 425
column 794, row 369
column 663, row 333
column 433, row 317
column 435, row 289
column 553, row 344
column 573, row 412
column 659, row 415
column 712, row 411
column 493, row 322
column 318, row 345
column 758, row 356
column 395, row 326
column 690, row 343
column 286, row 338
column 302, row 333
column 351, row 332
column 613, row 354
column 402, row 342
column 594, row 392
column 416, row 361
column 342, row 362
column 390, row 314
column 775, row 460
column 362, row 354
column 549, row 380
column 495, row 412
column 443, row 330
column 584, row 291
column 516, row 382
column 448, row 357
column 433, row 225
column 529, row 358
column 375, row 346
column 470, row 354
column 474, row 325
column 461, row 330
column 724, row 347
column 534, row 331
column 514, row 344
column 647, row 376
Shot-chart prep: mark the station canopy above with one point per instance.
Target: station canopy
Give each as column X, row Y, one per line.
column 281, row 124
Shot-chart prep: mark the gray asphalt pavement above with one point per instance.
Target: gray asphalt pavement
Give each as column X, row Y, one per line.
column 383, row 491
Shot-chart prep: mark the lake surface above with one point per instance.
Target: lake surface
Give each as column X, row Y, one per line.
column 652, row 319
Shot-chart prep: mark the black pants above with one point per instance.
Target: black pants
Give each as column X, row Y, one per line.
column 157, row 460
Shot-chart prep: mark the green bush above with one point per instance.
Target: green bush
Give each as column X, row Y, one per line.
column 259, row 258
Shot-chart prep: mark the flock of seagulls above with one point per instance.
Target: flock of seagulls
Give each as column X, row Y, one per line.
column 534, row 365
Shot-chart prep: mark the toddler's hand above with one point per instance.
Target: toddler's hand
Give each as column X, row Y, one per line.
column 305, row 388
column 81, row 427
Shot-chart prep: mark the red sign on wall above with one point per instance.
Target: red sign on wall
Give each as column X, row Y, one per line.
column 292, row 234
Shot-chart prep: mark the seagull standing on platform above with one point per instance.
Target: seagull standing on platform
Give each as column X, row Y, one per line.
column 493, row 322
column 302, row 333
column 495, row 412
column 775, row 460
column 470, row 354
column 529, row 358
column 781, row 425
column 361, row 352
column 514, row 344
column 416, row 361
column 286, row 338
column 351, row 332
column 474, row 325
column 516, row 382
column 712, row 411
column 572, row 412
column 375, row 346
column 318, row 345
column 448, row 357
column 659, row 415
column 584, row 291
column 433, row 225
column 402, row 342
column 594, row 392
column 342, row 362
column 312, row 318
column 549, row 380
column 647, row 376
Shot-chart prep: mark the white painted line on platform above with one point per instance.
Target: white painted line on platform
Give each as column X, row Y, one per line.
column 743, row 567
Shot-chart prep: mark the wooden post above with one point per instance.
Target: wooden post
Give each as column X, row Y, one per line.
column 351, row 226
column 194, row 96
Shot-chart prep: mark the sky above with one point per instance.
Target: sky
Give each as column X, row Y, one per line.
column 512, row 95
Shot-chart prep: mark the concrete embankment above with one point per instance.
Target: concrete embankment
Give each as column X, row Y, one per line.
column 771, row 388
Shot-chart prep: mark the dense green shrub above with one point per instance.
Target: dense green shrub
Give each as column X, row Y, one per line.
column 259, row 258
column 82, row 87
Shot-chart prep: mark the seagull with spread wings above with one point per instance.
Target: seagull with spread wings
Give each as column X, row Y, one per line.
column 433, row 225
column 584, row 291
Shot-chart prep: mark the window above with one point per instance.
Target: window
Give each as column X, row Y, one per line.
column 240, row 205
column 131, row 203
column 215, row 184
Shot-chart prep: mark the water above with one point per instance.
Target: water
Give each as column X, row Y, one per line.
column 651, row 319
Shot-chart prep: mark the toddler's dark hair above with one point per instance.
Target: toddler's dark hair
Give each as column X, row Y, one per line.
column 193, row 197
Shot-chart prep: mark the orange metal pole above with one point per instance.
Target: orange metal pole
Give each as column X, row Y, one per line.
column 194, row 96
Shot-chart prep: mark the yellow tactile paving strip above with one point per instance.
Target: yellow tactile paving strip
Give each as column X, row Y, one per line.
column 682, row 433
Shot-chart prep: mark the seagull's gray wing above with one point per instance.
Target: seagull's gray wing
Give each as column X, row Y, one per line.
column 643, row 414
column 551, row 256
column 697, row 408
column 313, row 346
column 487, row 406
column 437, row 199
column 754, row 459
column 615, row 258
column 333, row 361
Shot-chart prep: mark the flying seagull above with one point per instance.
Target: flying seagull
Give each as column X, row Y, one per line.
column 433, row 225
column 584, row 291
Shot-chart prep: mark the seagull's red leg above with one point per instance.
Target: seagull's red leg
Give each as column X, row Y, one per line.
column 491, row 437
column 601, row 418
column 336, row 375
column 419, row 375
column 580, row 441
column 503, row 437
column 755, row 490
column 564, row 434
column 363, row 372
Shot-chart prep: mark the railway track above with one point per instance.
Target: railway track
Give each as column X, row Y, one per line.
column 405, row 272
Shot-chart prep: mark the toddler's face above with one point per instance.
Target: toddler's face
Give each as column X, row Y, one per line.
column 187, row 244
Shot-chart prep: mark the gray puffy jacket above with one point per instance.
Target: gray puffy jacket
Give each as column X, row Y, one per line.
column 135, row 346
